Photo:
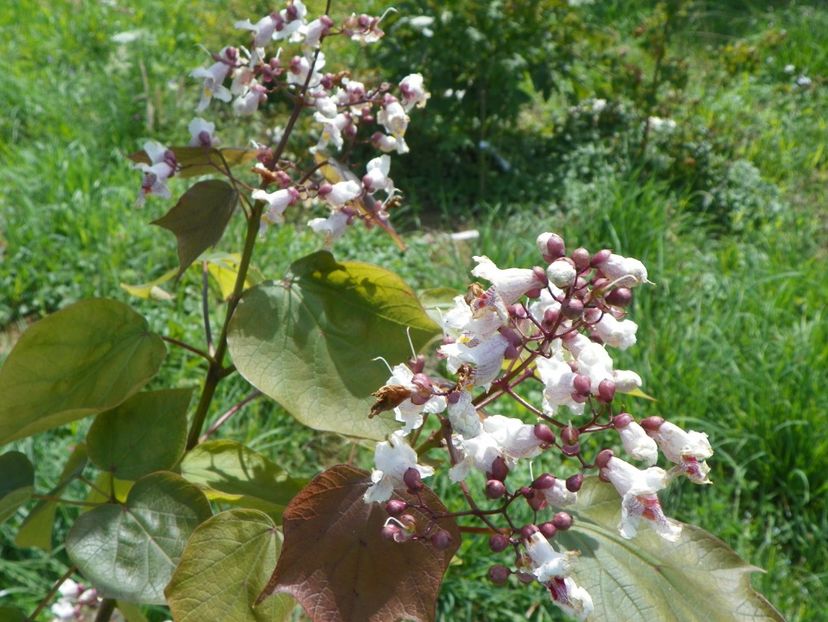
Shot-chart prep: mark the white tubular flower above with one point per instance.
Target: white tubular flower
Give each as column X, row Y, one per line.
column 477, row 452
column 393, row 118
column 624, row 271
column 162, row 167
column 552, row 569
column 516, row 439
column 687, row 449
column 214, row 77
column 637, row 442
column 202, row 133
column 363, row 28
column 248, row 102
column 558, row 380
column 387, row 144
column 63, row 610
column 485, row 354
column 463, row 417
column 69, row 589
column 559, row 496
column 571, row 598
column 332, row 128
column 291, row 22
column 639, row 500
column 277, row 202
column 626, row 380
column 391, row 460
column 408, row 412
column 315, row 30
column 413, row 92
column 326, row 107
column 511, row 283
column 561, row 272
column 481, row 322
column 262, row 30
column 377, row 176
column 331, row 227
column 299, row 68
column 592, row 359
column 342, row 192
column 617, row 334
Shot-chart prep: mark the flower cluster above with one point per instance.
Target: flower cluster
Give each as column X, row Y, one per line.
column 553, row 326
column 76, row 603
column 283, row 61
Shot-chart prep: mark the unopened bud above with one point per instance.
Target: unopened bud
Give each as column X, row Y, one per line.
column 550, row 317
column 525, row 577
column 511, row 336
column 603, row 458
column 570, row 435
column 540, row 275
column 620, row 297
column 527, row 492
column 527, row 531
column 395, row 507
column 600, row 257
column 412, row 480
column 441, row 540
column 561, row 272
column 574, row 482
column 548, row 529
column 543, row 481
column 582, row 384
column 511, row 353
column 571, row 450
column 600, row 283
column 495, row 489
column 606, row 390
column 417, row 364
column 621, row 420
column 499, row 469
column 534, row 293
column 581, row 257
column 498, row 542
column 454, row 397
column 651, row 424
column 544, row 434
column 390, row 531
column 572, row 308
column 537, row 501
column 551, row 246
column 518, row 311
column 579, row 398
column 499, row 574
column 562, row 521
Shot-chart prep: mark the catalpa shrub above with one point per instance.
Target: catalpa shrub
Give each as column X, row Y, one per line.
column 217, row 531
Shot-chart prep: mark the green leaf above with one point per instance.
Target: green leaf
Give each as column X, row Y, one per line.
column 131, row 611
column 311, row 343
column 16, row 482
column 224, row 268
column 225, row 566
column 228, row 471
column 153, row 288
column 80, row 361
column 146, row 433
column 10, row 614
column 336, row 563
column 199, row 218
column 646, row 578
column 194, row 161
column 36, row 530
column 130, row 551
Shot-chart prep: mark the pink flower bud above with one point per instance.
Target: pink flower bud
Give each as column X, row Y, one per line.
column 395, row 507
column 571, row 450
column 574, row 482
column 600, row 257
column 569, row 435
column 573, row 308
column 441, row 540
column 579, row 398
column 499, row 574
column 620, row 297
column 534, row 293
column 540, row 274
column 498, row 542
column 550, row 317
column 562, row 521
column 543, row 481
column 582, row 384
column 525, row 577
column 544, row 434
column 417, row 364
column 495, row 489
column 551, row 246
column 537, row 501
column 390, row 531
column 600, row 283
column 581, row 257
column 606, row 390
column 548, row 529
column 651, row 424
column 412, row 480
column 527, row 530
column 603, row 458
column 499, row 469
column 518, row 311
column 621, row 420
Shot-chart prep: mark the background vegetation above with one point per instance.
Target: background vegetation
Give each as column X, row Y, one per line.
column 537, row 122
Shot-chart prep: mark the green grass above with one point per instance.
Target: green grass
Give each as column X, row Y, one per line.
column 733, row 338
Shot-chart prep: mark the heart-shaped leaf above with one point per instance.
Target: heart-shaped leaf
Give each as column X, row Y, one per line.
column 16, row 482
column 80, row 361
column 193, row 161
column 337, row 565
column 644, row 579
column 146, row 433
column 36, row 530
column 226, row 564
column 199, row 218
column 228, row 471
column 130, row 551
column 312, row 343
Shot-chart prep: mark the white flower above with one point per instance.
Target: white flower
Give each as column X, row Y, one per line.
column 393, row 118
column 626, row 380
column 552, row 569
column 162, row 167
column 558, row 380
column 277, row 202
column 363, row 28
column 789, row 68
column 617, row 334
column 326, row 105
column 803, row 81
column 413, row 92
column 331, row 227
column 291, row 22
column 331, row 129
column 480, row 323
column 301, row 65
column 391, row 460
column 515, row 438
column 687, row 449
column 545, row 301
column 638, row 444
column 248, row 102
column 511, row 283
column 408, row 412
column 214, row 77
column 639, row 500
column 659, row 125
column 485, row 354
column 387, row 144
column 463, row 416
column 591, row 358
column 377, row 176
column 624, row 271
column 63, row 610
column 317, row 29
column 559, row 496
column 262, row 30
column 202, row 133
column 342, row 192
column 69, row 589
column 561, row 272
column 571, row 598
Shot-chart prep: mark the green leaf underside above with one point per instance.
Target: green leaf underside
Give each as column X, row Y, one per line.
column 16, row 482
column 130, row 551
column 199, row 218
column 699, row 578
column 337, row 565
column 146, row 433
column 194, row 161
column 36, row 530
column 230, row 472
column 80, row 361
column 225, row 566
column 311, row 343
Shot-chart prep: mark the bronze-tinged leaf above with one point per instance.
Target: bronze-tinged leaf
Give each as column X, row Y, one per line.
column 193, row 161
column 199, row 218
column 337, row 565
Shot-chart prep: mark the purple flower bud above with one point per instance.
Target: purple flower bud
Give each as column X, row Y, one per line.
column 499, row 574
column 562, row 521
column 534, row 293
column 417, row 364
column 540, row 275
column 495, row 489
column 606, row 390
column 537, row 501
column 592, row 315
column 580, row 398
column 600, row 257
column 324, row 189
column 418, row 399
column 582, row 384
column 550, row 317
column 651, row 424
column 518, row 311
column 603, row 458
column 499, row 469
column 527, row 531
column 581, row 257
column 511, row 336
column 548, row 529
column 572, row 308
column 544, row 434
column 580, row 283
column 390, row 531
column 574, row 482
column 571, row 450
column 569, row 435
column 395, row 507
column 412, row 480
column 498, row 542
column 543, row 481
column 454, row 397
column 620, row 297
column 441, row 540
column 422, row 381
column 526, row 492
column 621, row 420
column 555, row 246
column 600, row 283
column 525, row 577
column 511, row 353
